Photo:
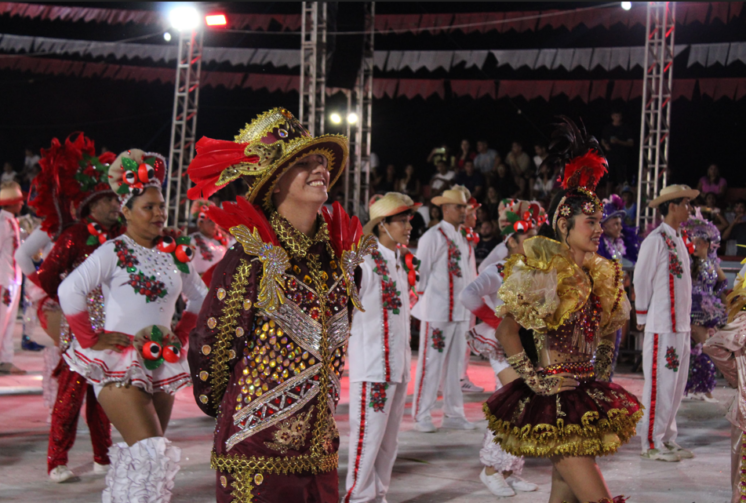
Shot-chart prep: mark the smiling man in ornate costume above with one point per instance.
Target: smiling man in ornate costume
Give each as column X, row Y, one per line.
column 268, row 351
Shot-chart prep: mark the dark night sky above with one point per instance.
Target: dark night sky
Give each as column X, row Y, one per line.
column 122, row 114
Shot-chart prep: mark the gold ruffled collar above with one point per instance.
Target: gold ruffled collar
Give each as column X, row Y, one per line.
column 546, row 286
column 294, row 241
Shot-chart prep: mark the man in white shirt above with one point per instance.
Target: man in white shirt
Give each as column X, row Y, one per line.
column 379, row 353
column 11, row 202
column 442, row 179
column 447, row 266
column 663, row 303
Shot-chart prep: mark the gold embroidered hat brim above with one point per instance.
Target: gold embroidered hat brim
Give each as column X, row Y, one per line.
column 333, row 147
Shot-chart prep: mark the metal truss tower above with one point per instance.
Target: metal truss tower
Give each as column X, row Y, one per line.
column 360, row 149
column 656, row 107
column 183, row 126
column 313, row 67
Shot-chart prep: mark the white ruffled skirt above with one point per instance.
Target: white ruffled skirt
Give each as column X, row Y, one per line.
column 103, row 367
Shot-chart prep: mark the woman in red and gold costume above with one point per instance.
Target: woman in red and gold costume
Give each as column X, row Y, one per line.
column 268, row 351
column 562, row 305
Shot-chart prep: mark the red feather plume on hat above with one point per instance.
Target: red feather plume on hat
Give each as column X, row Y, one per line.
column 214, row 156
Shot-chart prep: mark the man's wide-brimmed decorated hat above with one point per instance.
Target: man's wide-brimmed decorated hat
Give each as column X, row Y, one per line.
column 261, row 153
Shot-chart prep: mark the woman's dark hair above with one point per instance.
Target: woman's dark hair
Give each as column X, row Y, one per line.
column 663, row 207
column 575, row 200
column 131, row 201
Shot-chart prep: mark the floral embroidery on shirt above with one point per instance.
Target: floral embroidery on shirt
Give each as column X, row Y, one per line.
column 454, row 256
column 150, row 287
column 378, row 396
column 674, row 264
column 439, row 341
column 204, row 250
column 125, row 256
column 390, row 296
column 501, row 270
column 6, row 296
column 672, row 359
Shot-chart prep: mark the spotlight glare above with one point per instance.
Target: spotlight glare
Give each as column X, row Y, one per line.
column 626, row 5
column 335, row 118
column 167, row 37
column 184, row 18
column 352, row 118
column 216, row 20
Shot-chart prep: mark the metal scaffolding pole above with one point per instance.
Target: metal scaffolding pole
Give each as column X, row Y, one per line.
column 313, row 67
column 656, row 107
column 183, row 126
column 364, row 109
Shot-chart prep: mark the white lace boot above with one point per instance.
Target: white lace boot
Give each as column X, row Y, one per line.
column 142, row 473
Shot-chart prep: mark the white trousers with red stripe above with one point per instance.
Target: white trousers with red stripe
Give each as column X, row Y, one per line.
column 665, row 364
column 8, row 315
column 441, row 357
column 375, row 416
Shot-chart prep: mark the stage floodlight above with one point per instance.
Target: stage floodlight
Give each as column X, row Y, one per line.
column 335, row 118
column 167, row 36
column 184, row 18
column 626, row 5
column 216, row 20
column 352, row 118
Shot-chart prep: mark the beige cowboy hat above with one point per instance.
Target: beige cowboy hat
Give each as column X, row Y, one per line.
column 673, row 192
column 389, row 205
column 457, row 195
column 10, row 194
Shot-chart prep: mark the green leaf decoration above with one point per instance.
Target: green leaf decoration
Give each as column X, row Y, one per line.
column 156, row 335
column 92, row 240
column 153, row 364
column 123, row 189
column 183, row 240
column 162, row 293
column 129, row 164
column 181, row 266
column 150, row 161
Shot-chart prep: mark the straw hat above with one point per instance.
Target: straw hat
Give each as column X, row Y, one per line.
column 261, row 153
column 389, row 205
column 457, row 195
column 673, row 192
column 10, row 194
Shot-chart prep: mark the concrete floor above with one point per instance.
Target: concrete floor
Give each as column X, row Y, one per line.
column 440, row 467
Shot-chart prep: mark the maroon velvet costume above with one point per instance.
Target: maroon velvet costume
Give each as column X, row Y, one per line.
column 271, row 377
column 70, row 250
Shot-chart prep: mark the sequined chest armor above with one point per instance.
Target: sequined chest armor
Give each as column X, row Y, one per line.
column 285, row 384
column 570, row 348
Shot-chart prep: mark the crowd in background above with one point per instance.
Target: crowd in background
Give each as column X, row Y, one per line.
column 525, row 172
